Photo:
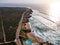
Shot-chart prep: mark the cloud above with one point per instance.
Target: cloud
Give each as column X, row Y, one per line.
column 24, row 1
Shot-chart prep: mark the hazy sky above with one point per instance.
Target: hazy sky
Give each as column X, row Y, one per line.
column 25, row 1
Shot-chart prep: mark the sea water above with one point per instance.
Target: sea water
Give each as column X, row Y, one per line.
column 44, row 28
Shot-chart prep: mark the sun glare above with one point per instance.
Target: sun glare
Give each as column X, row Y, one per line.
column 54, row 13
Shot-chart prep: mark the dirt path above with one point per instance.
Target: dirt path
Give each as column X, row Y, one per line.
column 17, row 40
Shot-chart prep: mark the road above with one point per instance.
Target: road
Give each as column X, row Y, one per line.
column 17, row 40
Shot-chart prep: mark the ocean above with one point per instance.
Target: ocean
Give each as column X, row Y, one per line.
column 44, row 28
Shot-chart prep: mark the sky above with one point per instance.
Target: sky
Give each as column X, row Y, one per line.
column 25, row 1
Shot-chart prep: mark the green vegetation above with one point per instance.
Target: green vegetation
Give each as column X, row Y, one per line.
column 10, row 17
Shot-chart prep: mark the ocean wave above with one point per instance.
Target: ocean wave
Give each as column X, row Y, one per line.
column 44, row 28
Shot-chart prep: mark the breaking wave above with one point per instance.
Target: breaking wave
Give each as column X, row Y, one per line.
column 44, row 28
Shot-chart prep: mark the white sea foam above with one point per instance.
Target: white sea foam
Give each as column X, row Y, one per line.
column 44, row 28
